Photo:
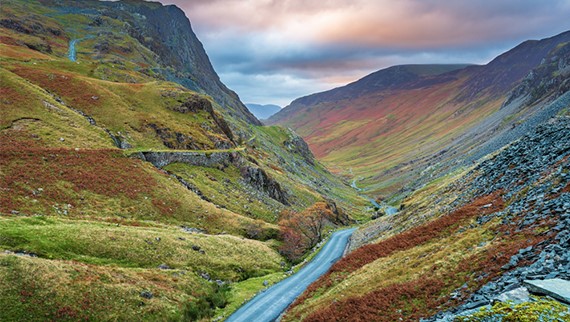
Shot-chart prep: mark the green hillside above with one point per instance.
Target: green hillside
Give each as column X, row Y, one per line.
column 89, row 229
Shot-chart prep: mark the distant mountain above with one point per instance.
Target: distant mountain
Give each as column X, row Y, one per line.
column 263, row 112
column 392, row 125
column 402, row 76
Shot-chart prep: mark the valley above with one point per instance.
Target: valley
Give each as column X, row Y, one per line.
column 120, row 183
column 393, row 124
column 135, row 185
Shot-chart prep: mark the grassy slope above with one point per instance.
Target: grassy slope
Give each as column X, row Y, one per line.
column 412, row 274
column 434, row 247
column 101, row 221
column 138, row 104
column 377, row 133
column 138, row 246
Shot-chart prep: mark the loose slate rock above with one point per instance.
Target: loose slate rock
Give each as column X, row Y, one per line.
column 556, row 288
column 517, row 295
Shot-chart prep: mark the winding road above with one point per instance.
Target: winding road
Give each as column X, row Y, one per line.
column 267, row 306
column 388, row 210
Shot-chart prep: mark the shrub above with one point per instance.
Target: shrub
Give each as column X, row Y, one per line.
column 302, row 231
column 204, row 306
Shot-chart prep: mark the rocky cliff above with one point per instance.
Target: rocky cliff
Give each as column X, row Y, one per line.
column 167, row 32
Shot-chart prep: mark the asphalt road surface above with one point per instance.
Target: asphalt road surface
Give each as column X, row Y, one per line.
column 267, row 306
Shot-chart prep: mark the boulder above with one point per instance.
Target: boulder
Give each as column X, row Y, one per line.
column 517, row 295
column 556, row 288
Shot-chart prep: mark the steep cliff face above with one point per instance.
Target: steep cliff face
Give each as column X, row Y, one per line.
column 167, row 32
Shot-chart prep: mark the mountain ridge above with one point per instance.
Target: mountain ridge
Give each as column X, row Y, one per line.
column 384, row 79
column 394, row 130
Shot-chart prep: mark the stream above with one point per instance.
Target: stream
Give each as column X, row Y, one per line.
column 72, row 52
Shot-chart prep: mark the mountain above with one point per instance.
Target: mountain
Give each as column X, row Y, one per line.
column 477, row 162
column 466, row 240
column 178, row 54
column 388, row 127
column 403, row 76
column 263, row 112
column 134, row 183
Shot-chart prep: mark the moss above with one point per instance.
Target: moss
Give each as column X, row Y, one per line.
column 541, row 309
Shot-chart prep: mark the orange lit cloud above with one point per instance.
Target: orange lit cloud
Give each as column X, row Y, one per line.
column 403, row 23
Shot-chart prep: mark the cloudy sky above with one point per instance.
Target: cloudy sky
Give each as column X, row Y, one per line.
column 273, row 51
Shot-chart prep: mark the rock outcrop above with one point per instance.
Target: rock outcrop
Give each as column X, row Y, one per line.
column 550, row 79
column 258, row 178
column 203, row 159
column 297, row 145
column 196, row 103
column 555, row 288
column 252, row 175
